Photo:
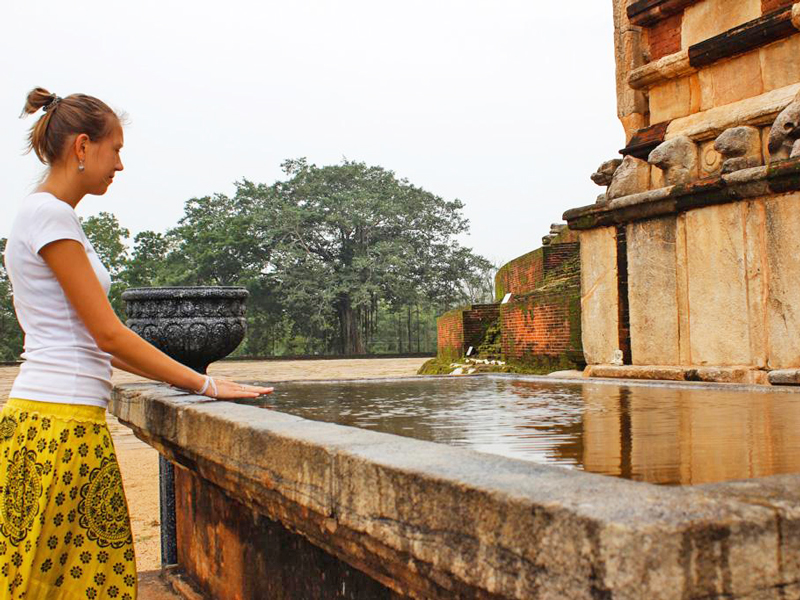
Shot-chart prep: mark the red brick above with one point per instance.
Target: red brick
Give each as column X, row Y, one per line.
column 665, row 36
column 767, row 6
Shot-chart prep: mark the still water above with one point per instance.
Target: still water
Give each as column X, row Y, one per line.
column 665, row 435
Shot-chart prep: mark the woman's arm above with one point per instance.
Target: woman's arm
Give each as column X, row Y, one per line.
column 69, row 263
column 122, row 365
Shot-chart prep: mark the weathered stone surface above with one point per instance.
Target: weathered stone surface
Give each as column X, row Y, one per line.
column 718, row 308
column 782, row 246
column 677, row 157
column 710, row 160
column 433, row 521
column 785, row 377
column 779, row 64
column 709, row 124
column 605, row 172
column 706, row 19
column 682, row 291
column 740, row 148
column 631, row 104
column 599, row 295
column 659, row 71
column 730, row 81
column 785, row 132
column 756, row 279
column 732, row 375
column 632, row 176
column 653, row 306
column 675, row 98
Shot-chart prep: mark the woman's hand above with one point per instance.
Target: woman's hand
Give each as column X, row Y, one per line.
column 225, row 389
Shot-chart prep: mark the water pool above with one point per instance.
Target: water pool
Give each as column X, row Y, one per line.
column 679, row 435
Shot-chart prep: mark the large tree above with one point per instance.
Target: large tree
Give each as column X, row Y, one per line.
column 341, row 238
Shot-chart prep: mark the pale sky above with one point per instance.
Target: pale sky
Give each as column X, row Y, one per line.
column 508, row 105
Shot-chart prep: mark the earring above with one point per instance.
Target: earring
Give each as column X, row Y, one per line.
column 81, row 167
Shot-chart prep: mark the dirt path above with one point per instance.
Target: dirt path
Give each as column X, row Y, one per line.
column 139, row 462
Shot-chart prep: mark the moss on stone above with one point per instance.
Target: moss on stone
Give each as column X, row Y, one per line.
column 436, row 366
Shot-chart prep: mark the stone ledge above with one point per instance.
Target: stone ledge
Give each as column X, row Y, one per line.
column 757, row 111
column 778, row 178
column 434, row 521
column 738, row 375
column 785, row 377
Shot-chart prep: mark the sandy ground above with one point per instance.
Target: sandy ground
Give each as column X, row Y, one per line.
column 139, row 462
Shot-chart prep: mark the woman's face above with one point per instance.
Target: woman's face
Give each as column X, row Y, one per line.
column 103, row 161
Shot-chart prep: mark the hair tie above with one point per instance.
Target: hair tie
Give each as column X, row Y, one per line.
column 52, row 104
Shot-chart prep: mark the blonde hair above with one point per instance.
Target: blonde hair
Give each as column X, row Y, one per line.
column 63, row 118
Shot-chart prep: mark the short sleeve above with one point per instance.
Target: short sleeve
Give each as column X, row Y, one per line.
column 53, row 221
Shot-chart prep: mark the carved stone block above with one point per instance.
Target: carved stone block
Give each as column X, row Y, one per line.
column 785, row 133
column 632, row 177
column 677, row 158
column 740, row 148
column 605, row 172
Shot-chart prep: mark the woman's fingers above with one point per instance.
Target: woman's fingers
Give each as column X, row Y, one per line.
column 227, row 389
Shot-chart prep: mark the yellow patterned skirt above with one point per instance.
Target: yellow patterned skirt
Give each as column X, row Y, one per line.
column 64, row 527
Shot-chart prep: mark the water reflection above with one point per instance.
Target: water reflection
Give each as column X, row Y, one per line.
column 655, row 434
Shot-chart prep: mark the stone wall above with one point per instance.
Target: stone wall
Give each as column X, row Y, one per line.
column 712, row 270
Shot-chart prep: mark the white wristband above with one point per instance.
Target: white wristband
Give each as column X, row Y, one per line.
column 203, row 389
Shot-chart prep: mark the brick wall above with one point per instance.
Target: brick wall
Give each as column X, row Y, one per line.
column 521, row 275
column 544, row 327
column 665, row 36
column 477, row 321
column 527, row 273
column 450, row 330
column 464, row 327
column 541, row 324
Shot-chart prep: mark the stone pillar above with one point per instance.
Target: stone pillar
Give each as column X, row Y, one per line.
column 599, row 295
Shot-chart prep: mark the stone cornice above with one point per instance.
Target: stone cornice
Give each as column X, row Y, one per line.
column 778, row 178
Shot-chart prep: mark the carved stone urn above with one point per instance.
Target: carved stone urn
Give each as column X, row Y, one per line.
column 194, row 325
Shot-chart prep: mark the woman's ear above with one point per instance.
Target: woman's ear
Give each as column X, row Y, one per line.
column 79, row 145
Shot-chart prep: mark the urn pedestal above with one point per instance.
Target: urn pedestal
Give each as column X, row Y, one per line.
column 196, row 326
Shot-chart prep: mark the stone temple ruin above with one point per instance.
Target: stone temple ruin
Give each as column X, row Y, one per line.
column 688, row 260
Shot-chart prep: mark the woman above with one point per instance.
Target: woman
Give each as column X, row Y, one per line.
column 64, row 526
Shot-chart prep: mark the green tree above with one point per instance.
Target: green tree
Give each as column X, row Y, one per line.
column 144, row 268
column 108, row 239
column 343, row 237
column 10, row 332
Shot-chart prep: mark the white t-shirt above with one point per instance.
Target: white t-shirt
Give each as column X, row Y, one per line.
column 62, row 362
